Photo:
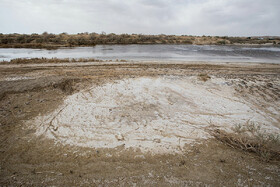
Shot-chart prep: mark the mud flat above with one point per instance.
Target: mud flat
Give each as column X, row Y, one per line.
column 146, row 123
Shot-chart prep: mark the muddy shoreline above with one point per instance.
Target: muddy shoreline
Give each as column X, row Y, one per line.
column 31, row 90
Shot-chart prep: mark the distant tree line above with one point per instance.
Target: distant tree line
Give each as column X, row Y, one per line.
column 48, row 40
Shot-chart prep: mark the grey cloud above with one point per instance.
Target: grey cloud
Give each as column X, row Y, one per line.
column 196, row 17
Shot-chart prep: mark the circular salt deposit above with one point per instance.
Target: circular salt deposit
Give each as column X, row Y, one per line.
column 159, row 115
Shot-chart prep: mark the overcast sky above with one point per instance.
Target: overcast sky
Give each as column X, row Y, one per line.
column 190, row 17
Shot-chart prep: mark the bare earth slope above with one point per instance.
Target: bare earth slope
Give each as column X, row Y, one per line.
column 147, row 123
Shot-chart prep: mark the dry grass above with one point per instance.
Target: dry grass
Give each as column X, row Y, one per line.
column 204, row 77
column 251, row 138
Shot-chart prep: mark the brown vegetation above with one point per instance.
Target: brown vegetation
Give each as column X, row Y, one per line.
column 204, row 77
column 251, row 138
column 53, row 41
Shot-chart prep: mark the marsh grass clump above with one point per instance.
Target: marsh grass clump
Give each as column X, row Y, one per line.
column 251, row 138
column 221, row 42
column 204, row 77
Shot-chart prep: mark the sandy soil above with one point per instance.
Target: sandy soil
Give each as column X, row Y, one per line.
column 134, row 123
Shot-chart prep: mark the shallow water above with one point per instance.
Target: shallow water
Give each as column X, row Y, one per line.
column 153, row 52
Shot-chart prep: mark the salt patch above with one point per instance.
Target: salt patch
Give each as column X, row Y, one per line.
column 17, row 78
column 160, row 115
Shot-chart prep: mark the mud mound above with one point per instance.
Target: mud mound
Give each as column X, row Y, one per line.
column 160, row 115
column 19, row 84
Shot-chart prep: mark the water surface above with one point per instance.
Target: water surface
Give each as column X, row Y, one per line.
column 209, row 53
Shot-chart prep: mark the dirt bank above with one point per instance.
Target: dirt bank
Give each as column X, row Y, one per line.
column 134, row 123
